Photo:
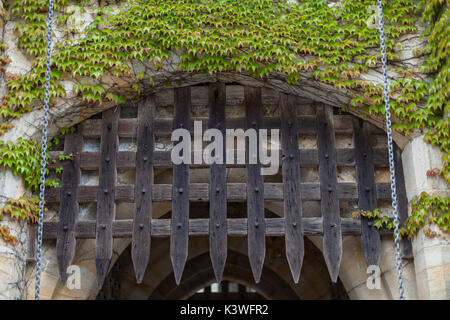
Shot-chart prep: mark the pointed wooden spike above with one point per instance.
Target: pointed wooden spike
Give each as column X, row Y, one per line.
column 365, row 176
column 140, row 248
column 102, row 266
column 106, row 207
column 255, row 187
column 65, row 249
column 180, row 190
column 218, row 185
column 68, row 211
column 331, row 219
column 178, row 264
column 295, row 249
column 402, row 200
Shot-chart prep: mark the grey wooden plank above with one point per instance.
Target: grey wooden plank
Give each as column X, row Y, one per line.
column 106, row 207
column 332, row 235
column 68, row 210
column 140, row 247
column 218, row 184
column 162, row 159
column 236, row 227
column 365, row 176
column 255, row 187
column 236, row 192
column 295, row 248
column 180, row 192
column 402, row 202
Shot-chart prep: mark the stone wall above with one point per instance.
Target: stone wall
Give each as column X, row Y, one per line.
column 431, row 255
column 12, row 258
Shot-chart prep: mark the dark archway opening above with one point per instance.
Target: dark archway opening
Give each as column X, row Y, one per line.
column 227, row 290
column 198, row 281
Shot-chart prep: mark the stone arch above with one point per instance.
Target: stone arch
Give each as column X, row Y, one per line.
column 199, row 273
column 159, row 281
column 70, row 110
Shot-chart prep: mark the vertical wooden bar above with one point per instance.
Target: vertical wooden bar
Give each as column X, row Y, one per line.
column 218, row 184
column 402, row 202
column 180, row 199
column 331, row 219
column 32, row 238
column 106, row 207
column 255, row 187
column 68, row 211
column 295, row 249
column 140, row 248
column 365, row 176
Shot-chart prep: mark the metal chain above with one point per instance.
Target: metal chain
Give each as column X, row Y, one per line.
column 398, row 257
column 44, row 150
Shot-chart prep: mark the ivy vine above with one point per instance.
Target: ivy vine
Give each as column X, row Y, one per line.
column 25, row 208
column 331, row 44
column 23, row 159
column 427, row 209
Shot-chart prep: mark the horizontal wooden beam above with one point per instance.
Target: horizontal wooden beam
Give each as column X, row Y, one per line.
column 200, row 227
column 163, row 127
column 235, row 192
column 127, row 159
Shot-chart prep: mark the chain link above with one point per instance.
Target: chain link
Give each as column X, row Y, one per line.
column 398, row 257
column 44, row 150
